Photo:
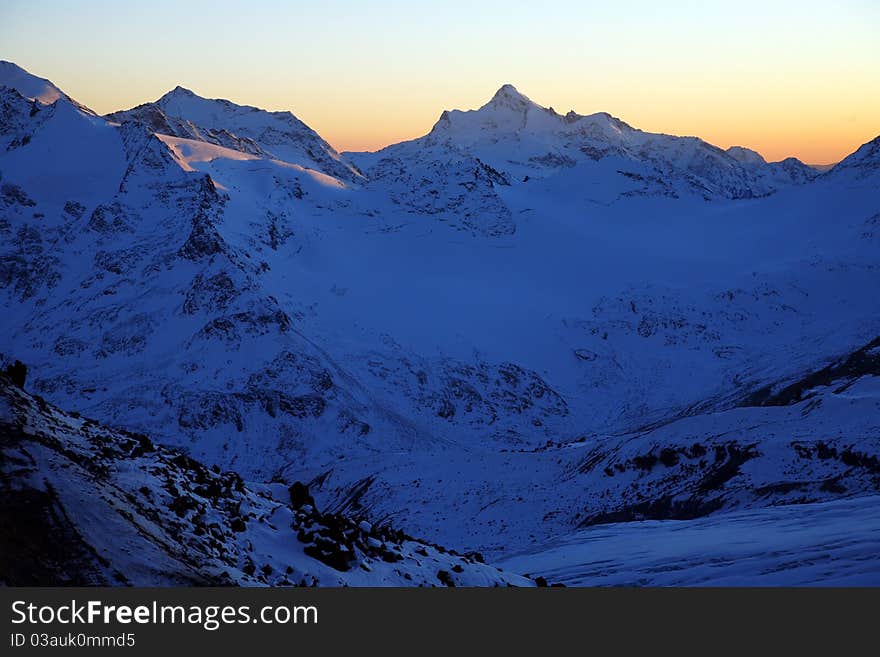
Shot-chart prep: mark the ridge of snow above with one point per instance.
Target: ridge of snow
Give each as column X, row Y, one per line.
column 522, row 140
column 274, row 135
column 28, row 85
column 864, row 161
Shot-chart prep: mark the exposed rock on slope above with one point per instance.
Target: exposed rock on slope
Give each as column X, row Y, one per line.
column 518, row 140
column 278, row 135
column 84, row 504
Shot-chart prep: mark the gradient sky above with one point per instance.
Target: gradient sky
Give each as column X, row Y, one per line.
column 786, row 78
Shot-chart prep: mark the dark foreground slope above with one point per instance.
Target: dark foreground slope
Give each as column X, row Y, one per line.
column 87, row 505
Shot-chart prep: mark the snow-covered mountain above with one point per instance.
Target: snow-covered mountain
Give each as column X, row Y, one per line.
column 29, row 86
column 864, row 163
column 785, row 172
column 275, row 135
column 513, row 140
column 517, row 326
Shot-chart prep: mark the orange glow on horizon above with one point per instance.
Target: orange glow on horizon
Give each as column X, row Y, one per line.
column 786, row 78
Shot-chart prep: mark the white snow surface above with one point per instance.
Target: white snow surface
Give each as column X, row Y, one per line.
column 29, row 86
column 277, row 135
column 820, row 544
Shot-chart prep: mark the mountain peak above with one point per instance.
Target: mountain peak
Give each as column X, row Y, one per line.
column 746, row 155
column 30, row 86
column 509, row 97
column 508, row 90
column 180, row 92
column 282, row 136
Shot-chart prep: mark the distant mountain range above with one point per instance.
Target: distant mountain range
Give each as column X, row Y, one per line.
column 515, row 329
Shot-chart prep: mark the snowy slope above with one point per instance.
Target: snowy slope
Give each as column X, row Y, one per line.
column 441, row 341
column 29, row 86
column 863, row 164
column 276, row 135
column 96, row 506
column 822, row 544
column 816, row 439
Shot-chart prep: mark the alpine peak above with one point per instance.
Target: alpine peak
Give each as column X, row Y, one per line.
column 508, row 96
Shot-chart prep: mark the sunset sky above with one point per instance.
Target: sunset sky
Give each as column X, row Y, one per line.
column 785, row 78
